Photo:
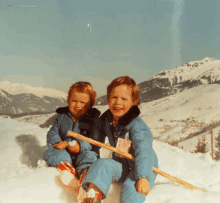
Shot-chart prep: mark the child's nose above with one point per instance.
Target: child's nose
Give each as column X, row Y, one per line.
column 118, row 101
column 78, row 104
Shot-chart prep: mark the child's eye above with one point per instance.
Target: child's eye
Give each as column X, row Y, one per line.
column 124, row 99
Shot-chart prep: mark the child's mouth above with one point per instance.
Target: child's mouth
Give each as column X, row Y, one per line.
column 77, row 110
column 118, row 109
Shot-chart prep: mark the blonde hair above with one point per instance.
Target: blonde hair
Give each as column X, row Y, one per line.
column 83, row 87
column 125, row 80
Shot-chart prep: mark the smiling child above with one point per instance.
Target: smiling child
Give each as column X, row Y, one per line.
column 122, row 122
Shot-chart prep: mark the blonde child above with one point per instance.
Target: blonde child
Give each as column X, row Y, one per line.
column 122, row 120
column 69, row 155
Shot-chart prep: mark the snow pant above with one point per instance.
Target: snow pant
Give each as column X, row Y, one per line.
column 106, row 171
column 80, row 161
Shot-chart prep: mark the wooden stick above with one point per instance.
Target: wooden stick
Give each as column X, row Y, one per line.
column 129, row 156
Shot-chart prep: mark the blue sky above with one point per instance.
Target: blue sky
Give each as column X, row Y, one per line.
column 55, row 43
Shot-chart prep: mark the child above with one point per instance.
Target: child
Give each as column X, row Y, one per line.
column 69, row 155
column 137, row 176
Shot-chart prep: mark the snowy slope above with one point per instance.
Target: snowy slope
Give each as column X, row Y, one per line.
column 176, row 116
column 35, row 119
column 23, row 179
column 189, row 145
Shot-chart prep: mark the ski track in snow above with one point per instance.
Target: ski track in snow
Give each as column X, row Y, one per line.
column 23, row 179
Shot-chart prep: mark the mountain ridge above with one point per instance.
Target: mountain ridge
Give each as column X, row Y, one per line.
column 170, row 82
column 19, row 88
column 27, row 103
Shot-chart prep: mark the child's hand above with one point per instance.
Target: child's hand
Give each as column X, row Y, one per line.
column 143, row 186
column 61, row 145
column 74, row 148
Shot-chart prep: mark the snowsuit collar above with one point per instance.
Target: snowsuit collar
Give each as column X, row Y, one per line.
column 133, row 112
column 88, row 116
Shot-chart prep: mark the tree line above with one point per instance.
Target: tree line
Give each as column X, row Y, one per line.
column 202, row 146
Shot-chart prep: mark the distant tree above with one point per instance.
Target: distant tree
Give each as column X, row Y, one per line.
column 198, row 147
column 173, row 143
column 202, row 146
column 217, row 145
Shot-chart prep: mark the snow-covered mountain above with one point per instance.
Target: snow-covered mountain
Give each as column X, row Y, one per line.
column 170, row 82
column 20, row 99
column 21, row 88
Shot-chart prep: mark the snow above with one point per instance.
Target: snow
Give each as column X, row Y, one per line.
column 190, row 144
column 25, row 178
column 3, row 95
column 176, row 116
column 192, row 70
column 36, row 119
column 202, row 102
column 20, row 88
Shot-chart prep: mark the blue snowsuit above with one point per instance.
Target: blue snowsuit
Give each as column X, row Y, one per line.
column 88, row 125
column 105, row 171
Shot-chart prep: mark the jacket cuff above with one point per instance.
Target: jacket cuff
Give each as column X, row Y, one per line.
column 84, row 146
column 52, row 142
column 145, row 177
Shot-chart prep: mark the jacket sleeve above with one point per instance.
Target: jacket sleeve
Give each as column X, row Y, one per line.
column 53, row 136
column 97, row 134
column 141, row 138
column 84, row 146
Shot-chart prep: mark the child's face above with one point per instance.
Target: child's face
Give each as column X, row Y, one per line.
column 78, row 103
column 120, row 101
